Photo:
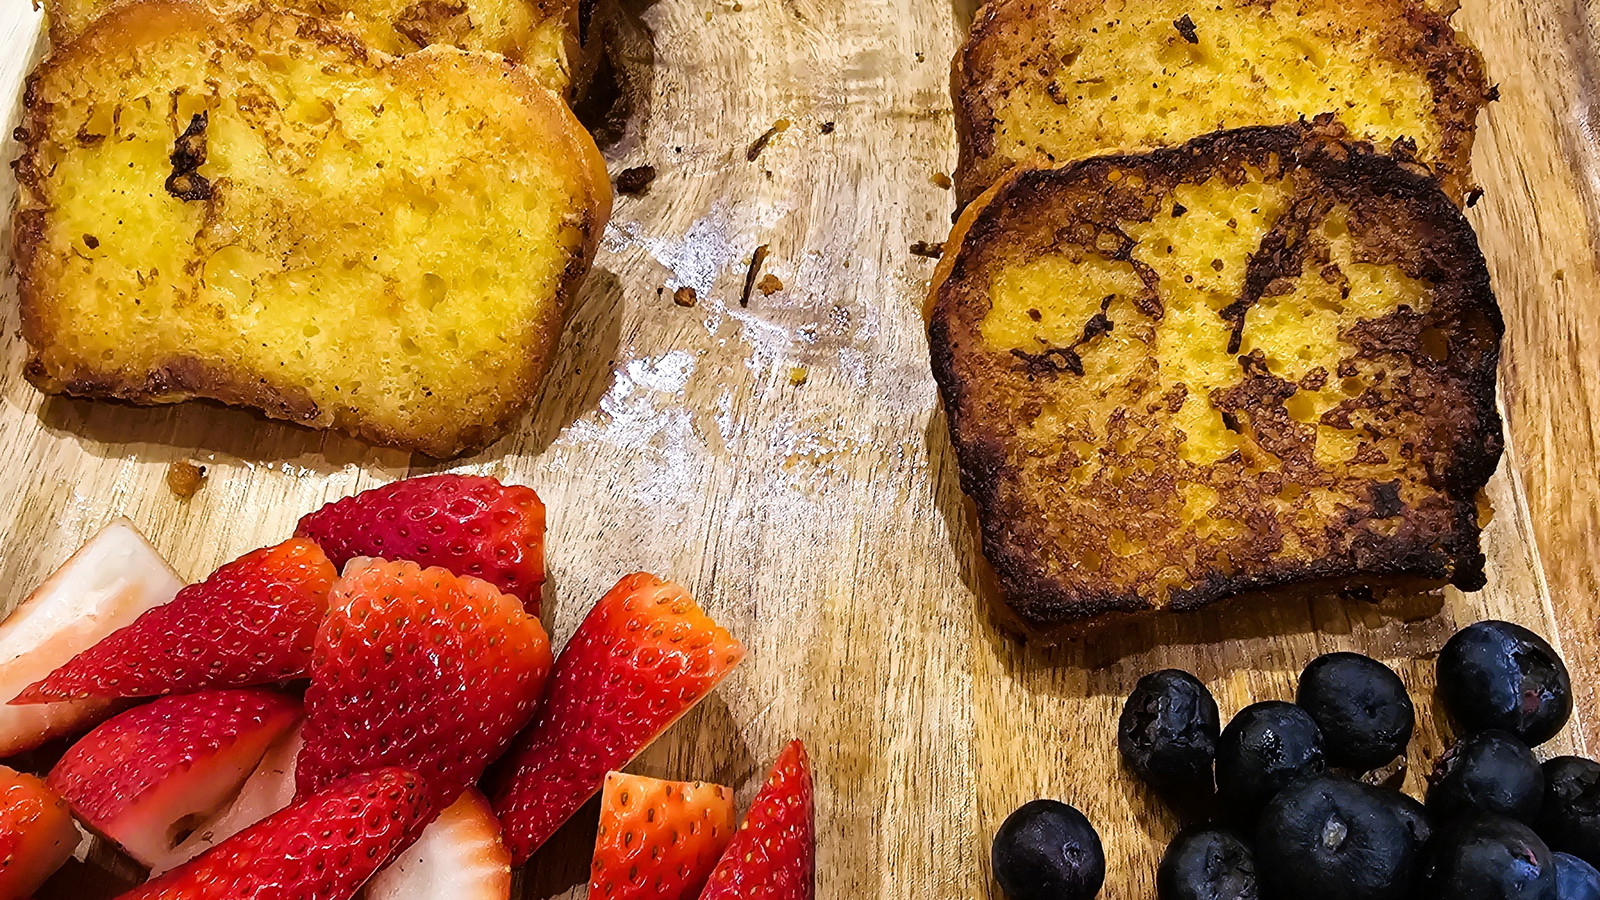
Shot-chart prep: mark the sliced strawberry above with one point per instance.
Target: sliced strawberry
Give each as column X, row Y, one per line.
column 268, row 789
column 251, row 622
column 773, row 856
column 107, row 584
column 641, row 659
column 460, row 856
column 144, row 778
column 468, row 524
column 322, row 848
column 419, row 668
column 658, row 840
column 36, row 833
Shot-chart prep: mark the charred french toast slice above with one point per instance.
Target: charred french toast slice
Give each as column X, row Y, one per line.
column 254, row 208
column 1265, row 358
column 555, row 39
column 1043, row 83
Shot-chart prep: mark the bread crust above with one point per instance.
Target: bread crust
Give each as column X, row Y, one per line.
column 180, row 376
column 559, row 40
column 1006, row 35
column 1399, row 218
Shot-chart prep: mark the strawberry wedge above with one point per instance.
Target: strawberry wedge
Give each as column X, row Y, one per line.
column 642, row 658
column 249, row 623
column 658, row 839
column 146, row 774
column 107, row 584
column 469, row 524
column 36, row 833
column 773, row 855
column 423, row 669
column 322, row 848
column 268, row 789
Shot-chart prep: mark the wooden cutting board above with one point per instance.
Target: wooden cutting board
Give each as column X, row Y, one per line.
column 787, row 459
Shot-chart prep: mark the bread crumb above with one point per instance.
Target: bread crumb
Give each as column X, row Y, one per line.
column 756, row 258
column 778, row 127
column 930, row 249
column 769, row 285
column 685, row 296
column 184, row 478
column 635, row 180
column 940, row 179
column 798, row 375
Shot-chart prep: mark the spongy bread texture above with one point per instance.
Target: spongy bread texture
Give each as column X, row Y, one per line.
column 1042, row 83
column 551, row 37
column 1265, row 358
column 254, row 208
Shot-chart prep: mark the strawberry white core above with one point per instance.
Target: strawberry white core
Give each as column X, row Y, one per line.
column 104, row 586
column 459, row 856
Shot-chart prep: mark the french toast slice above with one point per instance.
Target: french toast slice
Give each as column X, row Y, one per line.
column 1263, row 359
column 254, row 208
column 554, row 38
column 1041, row 83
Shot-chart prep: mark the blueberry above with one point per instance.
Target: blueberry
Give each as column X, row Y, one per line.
column 1330, row 838
column 1576, row 879
column 1569, row 817
column 1488, row 858
column 1490, row 771
column 1416, row 817
column 1207, row 864
column 1047, row 850
column 1361, row 707
column 1266, row 746
column 1168, row 732
column 1500, row 675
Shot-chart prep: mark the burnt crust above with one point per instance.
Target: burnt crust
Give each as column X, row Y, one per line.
column 1399, row 216
column 181, row 377
column 1417, row 35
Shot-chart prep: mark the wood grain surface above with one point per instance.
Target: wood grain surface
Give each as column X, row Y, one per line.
column 788, row 462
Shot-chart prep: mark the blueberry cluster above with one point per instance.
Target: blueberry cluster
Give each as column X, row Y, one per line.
column 1292, row 800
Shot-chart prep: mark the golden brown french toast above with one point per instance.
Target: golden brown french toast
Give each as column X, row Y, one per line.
column 1264, row 358
column 1041, row 83
column 254, row 208
column 551, row 37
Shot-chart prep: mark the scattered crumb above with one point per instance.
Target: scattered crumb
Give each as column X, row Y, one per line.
column 1473, row 196
column 827, row 128
column 1561, row 274
column 940, row 179
column 921, row 57
column 932, row 250
column 737, row 6
column 685, row 296
column 756, row 259
column 184, row 478
column 769, row 285
column 778, row 127
column 798, row 375
column 635, row 180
